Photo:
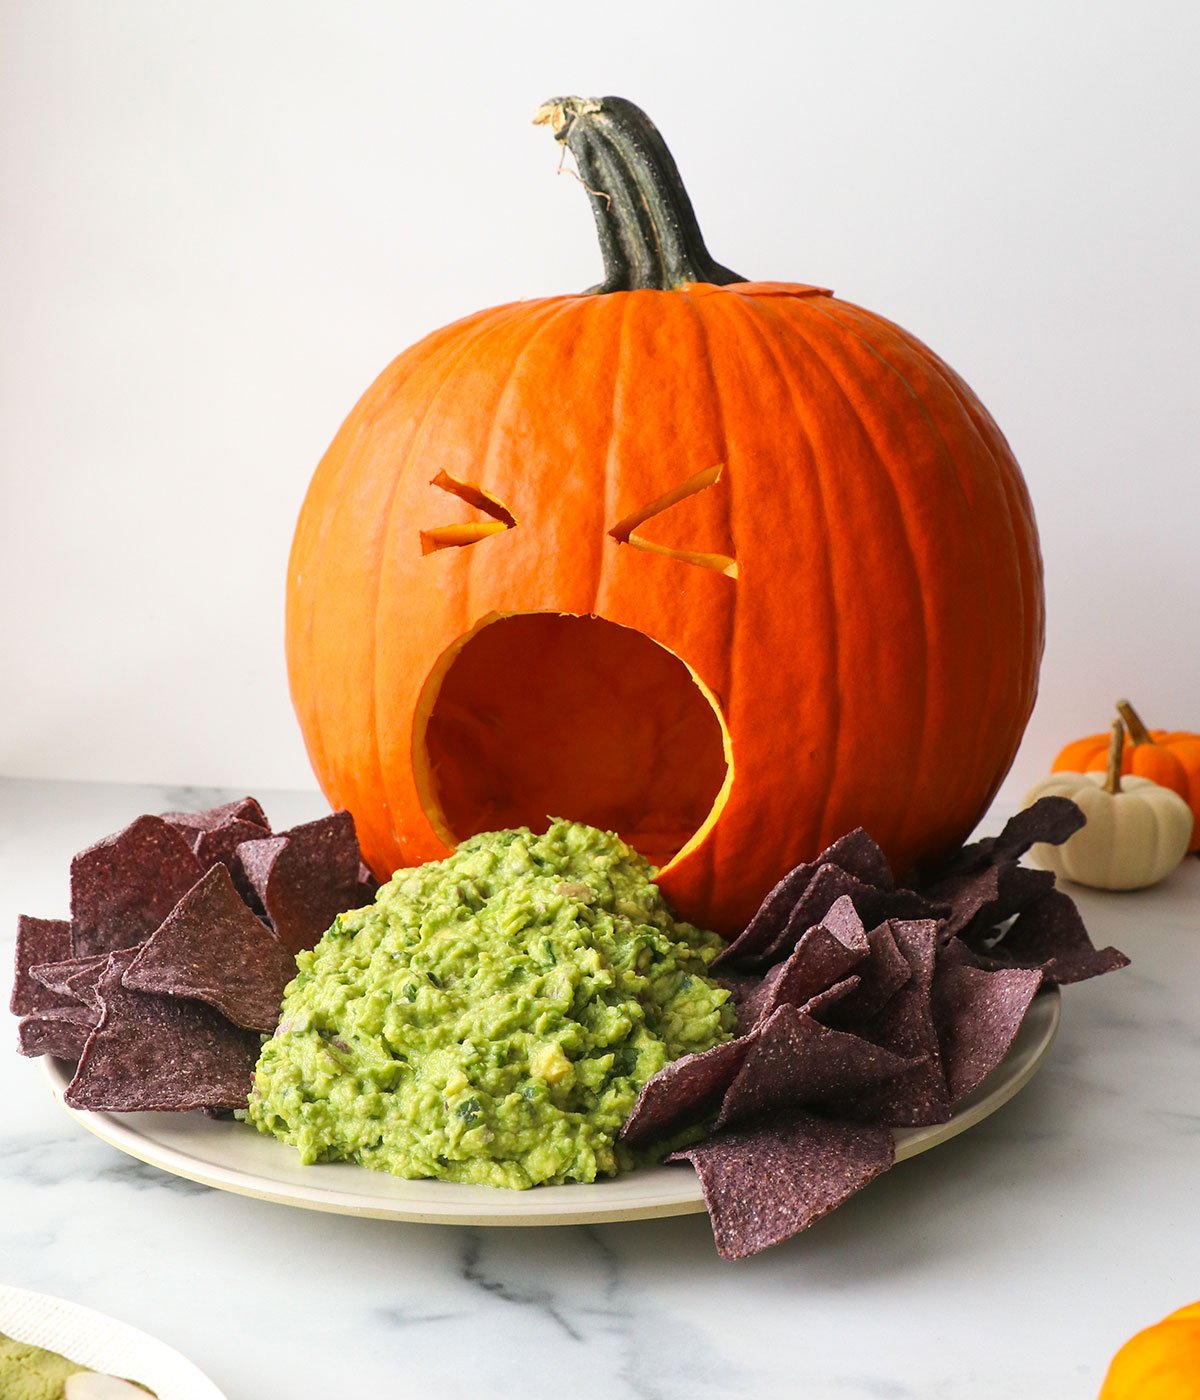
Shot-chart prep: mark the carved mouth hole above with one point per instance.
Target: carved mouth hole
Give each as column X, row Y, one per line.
column 543, row 715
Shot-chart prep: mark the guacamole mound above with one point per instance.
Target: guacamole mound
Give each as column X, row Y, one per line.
column 492, row 1017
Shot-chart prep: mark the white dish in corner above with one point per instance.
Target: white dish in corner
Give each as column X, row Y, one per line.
column 101, row 1343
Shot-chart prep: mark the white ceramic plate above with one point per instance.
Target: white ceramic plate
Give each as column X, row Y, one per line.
column 101, row 1343
column 233, row 1157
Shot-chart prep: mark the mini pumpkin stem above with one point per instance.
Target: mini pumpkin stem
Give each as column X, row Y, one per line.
column 1138, row 732
column 1116, row 752
column 649, row 236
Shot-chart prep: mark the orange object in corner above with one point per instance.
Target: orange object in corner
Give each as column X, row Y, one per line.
column 1161, row 1362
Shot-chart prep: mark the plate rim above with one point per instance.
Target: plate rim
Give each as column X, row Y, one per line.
column 65, row 1311
column 538, row 1207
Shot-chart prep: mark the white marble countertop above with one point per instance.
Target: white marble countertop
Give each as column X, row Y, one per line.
column 1011, row 1261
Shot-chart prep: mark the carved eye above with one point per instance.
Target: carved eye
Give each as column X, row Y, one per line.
column 472, row 531
column 625, row 531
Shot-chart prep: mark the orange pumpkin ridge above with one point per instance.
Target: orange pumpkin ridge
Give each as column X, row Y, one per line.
column 872, row 660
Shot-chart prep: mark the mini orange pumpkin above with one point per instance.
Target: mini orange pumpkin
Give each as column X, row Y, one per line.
column 1161, row 1362
column 1167, row 757
column 730, row 567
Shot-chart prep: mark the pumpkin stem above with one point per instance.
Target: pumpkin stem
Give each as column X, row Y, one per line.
column 1116, row 751
column 649, row 236
column 1137, row 730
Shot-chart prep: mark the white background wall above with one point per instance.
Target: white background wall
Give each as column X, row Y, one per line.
column 221, row 219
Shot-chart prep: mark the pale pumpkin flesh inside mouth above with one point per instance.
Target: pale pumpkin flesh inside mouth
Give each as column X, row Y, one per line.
column 543, row 715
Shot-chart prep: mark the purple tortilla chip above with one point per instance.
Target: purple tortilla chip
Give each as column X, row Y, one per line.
column 211, row 948
column 750, row 994
column 368, row 886
column 74, row 980
column 1050, row 935
column 978, row 1015
column 123, row 887
column 767, row 924
column 1049, row 819
column 855, row 853
column 38, row 941
column 824, row 955
column 968, row 895
column 62, row 1033
column 219, row 847
column 881, row 976
column 160, row 1053
column 763, row 1184
column 743, row 989
column 245, row 809
column 905, row 1025
column 981, row 901
column 684, row 1092
column 794, row 1061
column 859, row 855
column 305, row 877
column 820, row 1004
column 832, row 883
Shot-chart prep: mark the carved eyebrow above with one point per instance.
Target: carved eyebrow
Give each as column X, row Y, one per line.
column 500, row 518
column 625, row 530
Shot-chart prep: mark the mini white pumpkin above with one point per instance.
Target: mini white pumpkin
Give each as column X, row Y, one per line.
column 1137, row 831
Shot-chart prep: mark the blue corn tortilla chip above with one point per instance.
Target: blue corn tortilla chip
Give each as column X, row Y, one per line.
column 872, row 904
column 978, row 1015
column 245, row 809
column 860, row 855
column 744, row 990
column 683, row 1093
column 305, row 877
column 905, row 1026
column 1050, row 935
column 824, row 954
column 219, row 847
column 63, row 1032
column 38, row 941
column 979, row 902
column 914, row 1025
column 768, row 922
column 881, row 975
column 855, row 853
column 160, row 1053
column 368, row 886
column 123, row 887
column 793, row 1061
column 821, row 1004
column 690, row 1089
column 214, row 835
column 764, row 1183
column 1049, row 819
column 211, row 948
column 74, row 980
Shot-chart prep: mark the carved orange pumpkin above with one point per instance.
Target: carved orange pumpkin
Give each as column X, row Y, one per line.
column 729, row 567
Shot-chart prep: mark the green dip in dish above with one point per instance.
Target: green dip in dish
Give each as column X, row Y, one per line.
column 32, row 1373
column 28, row 1372
column 492, row 1017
